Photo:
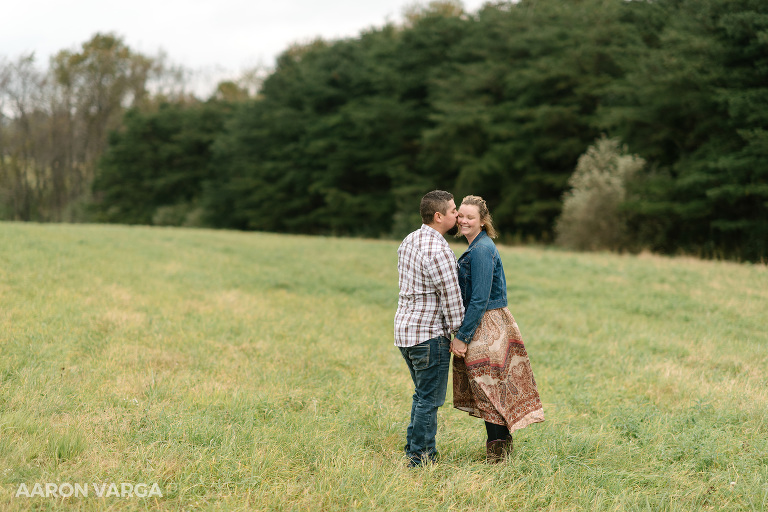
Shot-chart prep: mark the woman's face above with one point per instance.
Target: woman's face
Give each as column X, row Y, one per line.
column 469, row 221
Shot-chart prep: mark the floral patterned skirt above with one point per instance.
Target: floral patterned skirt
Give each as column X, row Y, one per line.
column 495, row 380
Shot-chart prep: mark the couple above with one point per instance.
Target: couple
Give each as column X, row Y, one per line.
column 440, row 297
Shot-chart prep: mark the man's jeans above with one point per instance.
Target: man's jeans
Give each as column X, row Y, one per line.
column 428, row 363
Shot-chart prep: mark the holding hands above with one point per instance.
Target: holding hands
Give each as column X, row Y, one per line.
column 458, row 348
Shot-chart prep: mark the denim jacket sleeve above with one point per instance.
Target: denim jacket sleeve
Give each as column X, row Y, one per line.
column 481, row 267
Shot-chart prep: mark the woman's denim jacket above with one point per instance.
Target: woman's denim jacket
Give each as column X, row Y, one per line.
column 482, row 282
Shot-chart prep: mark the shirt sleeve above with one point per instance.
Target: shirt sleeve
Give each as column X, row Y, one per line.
column 444, row 275
column 481, row 267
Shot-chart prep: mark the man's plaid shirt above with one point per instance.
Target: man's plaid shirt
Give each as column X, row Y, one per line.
column 430, row 299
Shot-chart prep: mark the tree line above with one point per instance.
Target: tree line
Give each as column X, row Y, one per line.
column 54, row 123
column 343, row 137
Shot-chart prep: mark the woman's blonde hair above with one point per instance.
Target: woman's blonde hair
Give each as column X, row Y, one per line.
column 485, row 215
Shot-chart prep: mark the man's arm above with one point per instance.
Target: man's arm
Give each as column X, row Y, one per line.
column 446, row 280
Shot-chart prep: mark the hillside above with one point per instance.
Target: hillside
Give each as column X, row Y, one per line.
column 250, row 371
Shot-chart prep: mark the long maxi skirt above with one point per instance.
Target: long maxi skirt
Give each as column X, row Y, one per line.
column 494, row 381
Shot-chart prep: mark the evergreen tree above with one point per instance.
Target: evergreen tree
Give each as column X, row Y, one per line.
column 695, row 106
column 159, row 159
column 517, row 105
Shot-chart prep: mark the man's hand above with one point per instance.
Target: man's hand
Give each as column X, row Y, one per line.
column 458, row 348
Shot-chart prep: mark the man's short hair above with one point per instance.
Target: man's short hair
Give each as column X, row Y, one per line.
column 433, row 202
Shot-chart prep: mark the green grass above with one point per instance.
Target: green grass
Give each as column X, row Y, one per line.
column 244, row 371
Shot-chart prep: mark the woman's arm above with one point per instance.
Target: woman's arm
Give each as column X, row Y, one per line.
column 481, row 270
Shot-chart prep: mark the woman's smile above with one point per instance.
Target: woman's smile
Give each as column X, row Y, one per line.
column 469, row 221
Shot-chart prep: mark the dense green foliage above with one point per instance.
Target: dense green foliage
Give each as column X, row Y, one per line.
column 160, row 160
column 345, row 136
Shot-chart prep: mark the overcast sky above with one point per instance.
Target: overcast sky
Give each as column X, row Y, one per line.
column 215, row 37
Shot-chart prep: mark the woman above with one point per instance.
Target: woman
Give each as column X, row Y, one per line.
column 492, row 376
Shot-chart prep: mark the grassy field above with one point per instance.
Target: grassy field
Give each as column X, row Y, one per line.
column 243, row 371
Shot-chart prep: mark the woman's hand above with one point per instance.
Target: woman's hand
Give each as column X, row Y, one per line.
column 458, row 348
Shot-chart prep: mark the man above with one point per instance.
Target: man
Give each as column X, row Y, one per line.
column 429, row 310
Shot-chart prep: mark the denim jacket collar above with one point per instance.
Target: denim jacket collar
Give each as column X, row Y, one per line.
column 479, row 236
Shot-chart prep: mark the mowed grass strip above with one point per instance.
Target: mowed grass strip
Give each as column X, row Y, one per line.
column 249, row 371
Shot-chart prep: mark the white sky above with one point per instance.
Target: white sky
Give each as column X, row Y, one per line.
column 216, row 38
